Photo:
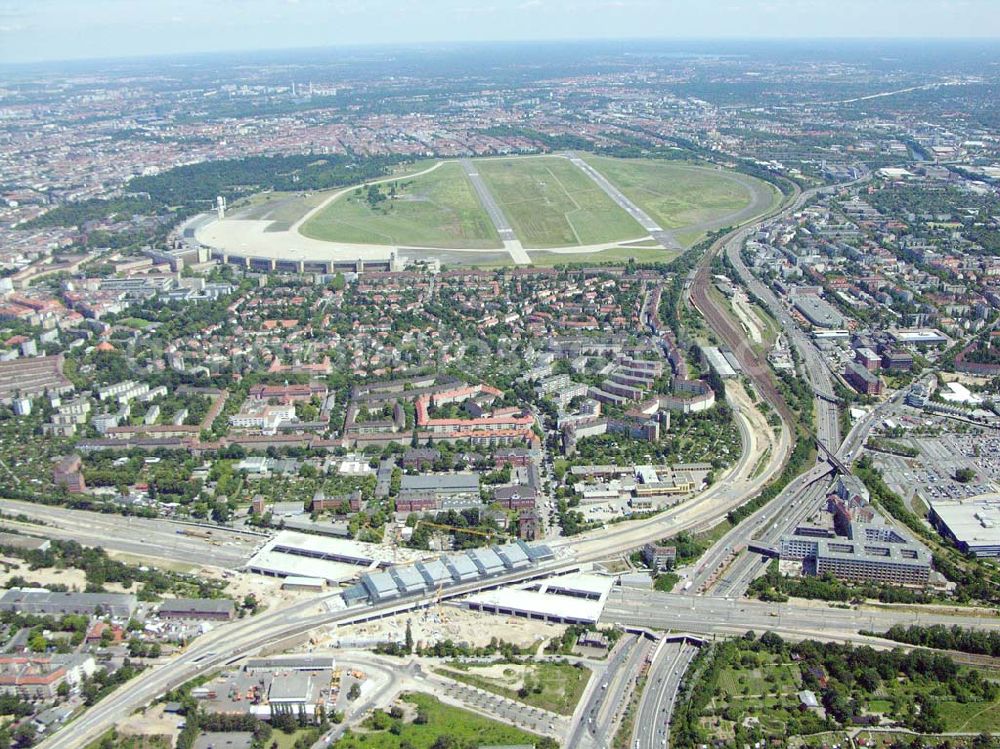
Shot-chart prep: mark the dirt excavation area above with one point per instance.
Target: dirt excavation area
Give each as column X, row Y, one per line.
column 464, row 627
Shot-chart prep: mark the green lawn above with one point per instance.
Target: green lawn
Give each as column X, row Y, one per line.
column 561, row 684
column 466, row 728
column 613, row 255
column 111, row 740
column 551, row 203
column 136, row 322
column 757, row 681
column 438, row 209
column 971, row 717
column 677, row 195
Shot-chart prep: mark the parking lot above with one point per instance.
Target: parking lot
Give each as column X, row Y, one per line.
column 502, row 708
column 930, row 474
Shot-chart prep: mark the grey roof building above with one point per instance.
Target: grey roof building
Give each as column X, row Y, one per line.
column 819, row 312
column 513, row 557
column 42, row 601
column 461, row 567
column 440, row 484
column 197, row 608
column 487, row 561
column 380, row 586
column 434, row 572
column 408, row 579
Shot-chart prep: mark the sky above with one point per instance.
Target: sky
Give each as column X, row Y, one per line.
column 35, row 30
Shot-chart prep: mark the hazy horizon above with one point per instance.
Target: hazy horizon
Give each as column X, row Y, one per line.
column 67, row 30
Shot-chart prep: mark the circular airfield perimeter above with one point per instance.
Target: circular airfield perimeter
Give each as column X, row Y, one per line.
column 524, row 210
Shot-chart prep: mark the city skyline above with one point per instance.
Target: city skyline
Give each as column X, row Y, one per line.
column 54, row 30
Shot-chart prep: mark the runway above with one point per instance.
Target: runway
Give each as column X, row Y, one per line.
column 661, row 235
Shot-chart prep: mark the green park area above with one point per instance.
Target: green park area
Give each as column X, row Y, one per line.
column 552, row 203
column 750, row 690
column 422, row 722
column 556, row 687
column 435, row 209
column 679, row 195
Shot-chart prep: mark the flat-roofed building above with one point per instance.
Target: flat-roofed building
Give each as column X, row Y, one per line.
column 871, row 553
column 567, row 599
column 872, row 562
column 440, row 485
column 973, row 525
column 659, row 557
column 819, row 312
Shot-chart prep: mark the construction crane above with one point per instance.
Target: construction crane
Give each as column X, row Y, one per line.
column 486, row 534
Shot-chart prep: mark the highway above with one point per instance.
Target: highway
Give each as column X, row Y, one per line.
column 651, row 729
column 724, row 550
column 146, row 538
column 661, row 235
column 247, row 636
column 827, row 417
column 729, row 571
column 724, row 563
column 714, row 615
column 596, row 721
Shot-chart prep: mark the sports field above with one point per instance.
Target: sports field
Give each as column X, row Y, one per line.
column 551, row 203
column 436, row 209
column 680, row 195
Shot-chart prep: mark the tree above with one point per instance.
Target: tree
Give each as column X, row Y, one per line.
column 25, row 733
column 964, row 475
column 354, row 692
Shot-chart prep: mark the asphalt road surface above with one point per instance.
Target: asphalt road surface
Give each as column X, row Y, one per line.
column 595, row 721
column 661, row 235
column 142, row 537
column 493, row 209
column 652, row 724
column 710, row 615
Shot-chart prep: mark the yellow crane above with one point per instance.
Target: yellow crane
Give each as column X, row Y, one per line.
column 486, row 534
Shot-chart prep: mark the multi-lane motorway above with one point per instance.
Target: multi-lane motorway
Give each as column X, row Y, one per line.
column 713, row 615
column 710, row 615
column 652, row 724
column 595, row 723
column 144, row 538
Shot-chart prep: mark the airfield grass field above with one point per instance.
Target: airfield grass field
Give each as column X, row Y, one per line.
column 551, row 203
column 437, row 209
column 676, row 195
column 612, row 255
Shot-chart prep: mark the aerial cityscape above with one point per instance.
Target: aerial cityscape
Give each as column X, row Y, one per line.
column 545, row 392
